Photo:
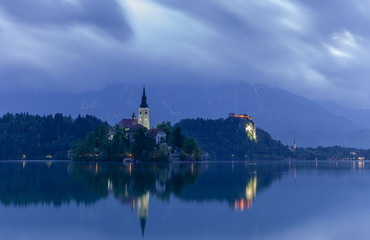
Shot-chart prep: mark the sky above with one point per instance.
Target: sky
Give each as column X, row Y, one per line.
column 316, row 49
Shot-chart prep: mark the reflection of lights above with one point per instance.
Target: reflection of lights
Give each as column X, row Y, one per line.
column 110, row 185
column 361, row 164
column 143, row 205
column 96, row 168
column 242, row 204
column 126, row 191
column 24, row 164
column 251, row 189
column 250, row 193
column 130, row 168
column 295, row 173
column 49, row 164
column 192, row 169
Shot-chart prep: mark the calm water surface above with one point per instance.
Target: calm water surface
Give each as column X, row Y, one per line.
column 240, row 200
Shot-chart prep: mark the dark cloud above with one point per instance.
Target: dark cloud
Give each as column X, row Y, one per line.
column 105, row 15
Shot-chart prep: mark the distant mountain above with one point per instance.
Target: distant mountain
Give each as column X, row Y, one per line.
column 286, row 116
column 361, row 117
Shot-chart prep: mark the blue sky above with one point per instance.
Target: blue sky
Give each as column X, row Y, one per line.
column 317, row 49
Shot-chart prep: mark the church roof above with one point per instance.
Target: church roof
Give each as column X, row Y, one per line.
column 144, row 104
column 136, row 127
column 127, row 123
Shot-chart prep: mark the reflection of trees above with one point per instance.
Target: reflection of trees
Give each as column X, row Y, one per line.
column 127, row 181
column 236, row 183
column 57, row 183
column 134, row 184
column 24, row 183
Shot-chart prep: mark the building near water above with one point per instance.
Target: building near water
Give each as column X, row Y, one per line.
column 159, row 135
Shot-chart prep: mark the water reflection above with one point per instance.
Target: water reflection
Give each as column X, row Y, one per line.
column 57, row 184
column 60, row 183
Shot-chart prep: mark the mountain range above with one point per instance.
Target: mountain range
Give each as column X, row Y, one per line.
column 286, row 116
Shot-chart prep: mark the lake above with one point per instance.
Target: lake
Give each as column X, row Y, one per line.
column 212, row 200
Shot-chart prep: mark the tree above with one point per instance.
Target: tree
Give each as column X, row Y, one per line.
column 143, row 144
column 177, row 137
column 190, row 146
column 166, row 127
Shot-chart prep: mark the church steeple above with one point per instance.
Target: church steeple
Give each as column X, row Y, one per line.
column 144, row 112
column 144, row 104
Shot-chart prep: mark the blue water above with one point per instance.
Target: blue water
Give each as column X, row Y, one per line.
column 240, row 200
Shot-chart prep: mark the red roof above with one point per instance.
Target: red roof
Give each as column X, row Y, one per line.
column 127, row 123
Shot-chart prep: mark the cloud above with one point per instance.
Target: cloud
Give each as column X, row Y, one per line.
column 312, row 48
column 107, row 16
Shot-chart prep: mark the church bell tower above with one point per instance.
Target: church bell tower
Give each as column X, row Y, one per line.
column 144, row 112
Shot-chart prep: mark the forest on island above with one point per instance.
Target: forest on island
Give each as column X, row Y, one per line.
column 98, row 147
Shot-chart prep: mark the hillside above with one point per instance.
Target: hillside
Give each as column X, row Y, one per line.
column 227, row 139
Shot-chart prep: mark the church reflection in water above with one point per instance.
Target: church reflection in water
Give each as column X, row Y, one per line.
column 57, row 183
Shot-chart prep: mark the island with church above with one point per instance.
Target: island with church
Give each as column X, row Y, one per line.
column 133, row 139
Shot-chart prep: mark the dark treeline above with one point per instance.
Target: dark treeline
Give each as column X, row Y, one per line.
column 331, row 153
column 25, row 136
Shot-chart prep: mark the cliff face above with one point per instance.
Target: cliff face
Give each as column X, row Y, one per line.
column 245, row 124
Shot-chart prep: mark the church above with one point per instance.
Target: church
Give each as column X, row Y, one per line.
column 143, row 121
column 144, row 112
